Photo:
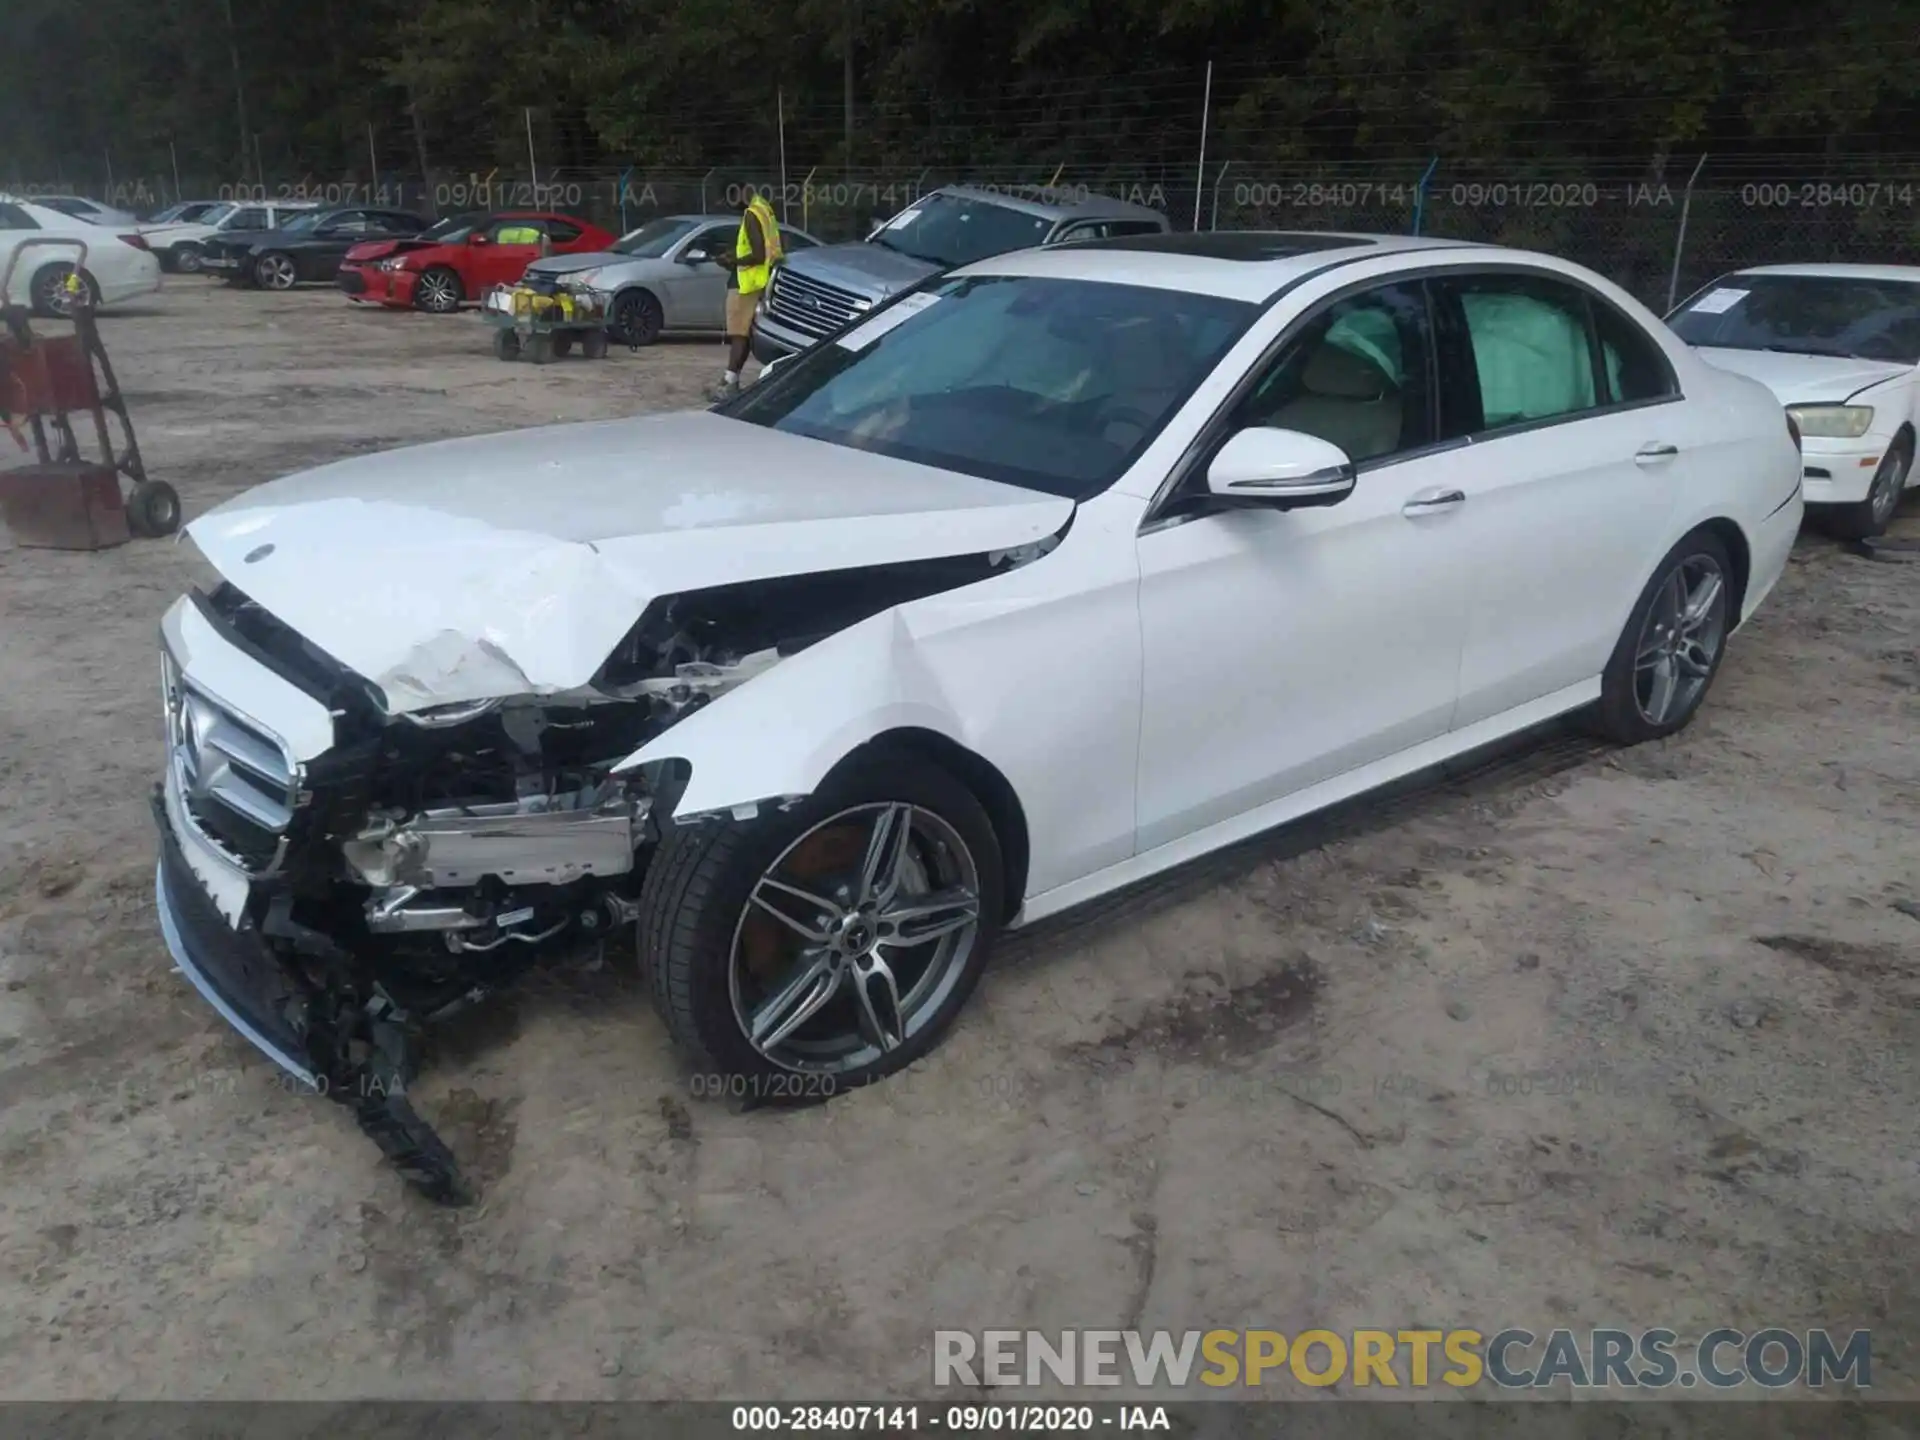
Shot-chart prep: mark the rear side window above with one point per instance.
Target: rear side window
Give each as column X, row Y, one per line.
column 562, row 231
column 1636, row 369
column 1531, row 350
column 12, row 217
column 250, row 218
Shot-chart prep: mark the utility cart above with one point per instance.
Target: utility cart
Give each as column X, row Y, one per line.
column 69, row 501
column 545, row 319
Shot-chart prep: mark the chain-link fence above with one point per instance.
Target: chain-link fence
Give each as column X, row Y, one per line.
column 1655, row 238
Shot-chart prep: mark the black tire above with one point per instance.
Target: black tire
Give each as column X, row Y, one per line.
column 637, row 318
column 697, row 889
column 540, row 349
column 562, row 345
column 438, row 291
column 48, row 290
column 186, row 258
column 1620, row 715
column 593, row 345
column 1864, row 519
column 153, row 509
column 506, row 343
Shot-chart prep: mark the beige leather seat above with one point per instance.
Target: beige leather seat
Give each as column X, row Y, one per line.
column 1347, row 399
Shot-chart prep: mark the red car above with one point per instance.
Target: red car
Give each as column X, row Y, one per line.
column 461, row 258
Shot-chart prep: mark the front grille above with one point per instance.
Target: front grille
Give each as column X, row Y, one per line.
column 237, row 786
column 811, row 306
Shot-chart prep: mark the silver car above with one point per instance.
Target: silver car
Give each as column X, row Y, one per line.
column 662, row 276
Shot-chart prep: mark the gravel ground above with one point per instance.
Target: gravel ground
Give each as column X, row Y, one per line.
column 1590, row 1038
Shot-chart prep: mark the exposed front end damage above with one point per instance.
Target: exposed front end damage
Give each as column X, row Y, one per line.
column 337, row 874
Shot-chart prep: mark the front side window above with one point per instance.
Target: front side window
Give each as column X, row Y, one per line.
column 1856, row 318
column 1357, row 377
column 716, row 239
column 517, row 232
column 1056, row 385
column 954, row 230
column 249, row 217
column 1530, row 347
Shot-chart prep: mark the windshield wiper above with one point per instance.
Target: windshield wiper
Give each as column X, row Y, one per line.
column 1803, row 350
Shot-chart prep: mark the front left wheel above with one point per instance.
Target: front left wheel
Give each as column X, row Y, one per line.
column 1672, row 646
column 1864, row 519
column 821, row 948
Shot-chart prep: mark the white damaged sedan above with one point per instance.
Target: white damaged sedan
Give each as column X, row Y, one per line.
column 1065, row 568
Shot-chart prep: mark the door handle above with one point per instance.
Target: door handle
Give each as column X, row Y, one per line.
column 1430, row 502
column 1654, row 454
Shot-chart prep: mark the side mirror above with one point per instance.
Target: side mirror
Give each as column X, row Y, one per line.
column 1280, row 469
column 477, row 239
column 695, row 256
column 775, row 363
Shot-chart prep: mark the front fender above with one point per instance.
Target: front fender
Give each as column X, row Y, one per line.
column 781, row 733
column 1036, row 671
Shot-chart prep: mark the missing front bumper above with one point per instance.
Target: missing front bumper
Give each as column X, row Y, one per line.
column 238, row 973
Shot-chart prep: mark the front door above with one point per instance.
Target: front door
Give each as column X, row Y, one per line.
column 695, row 295
column 512, row 244
column 1284, row 648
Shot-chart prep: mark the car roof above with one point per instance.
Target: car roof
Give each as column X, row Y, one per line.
column 1056, row 204
column 1250, row 265
column 1910, row 273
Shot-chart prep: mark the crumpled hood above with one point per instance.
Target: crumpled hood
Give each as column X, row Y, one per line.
column 380, row 249
column 865, row 268
column 1805, row 379
column 512, row 564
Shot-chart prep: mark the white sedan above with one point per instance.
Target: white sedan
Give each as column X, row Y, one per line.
column 1062, row 569
column 1840, row 346
column 115, row 267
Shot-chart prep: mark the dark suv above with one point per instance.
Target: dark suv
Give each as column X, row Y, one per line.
column 814, row 292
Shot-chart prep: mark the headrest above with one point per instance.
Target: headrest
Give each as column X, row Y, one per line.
column 1338, row 373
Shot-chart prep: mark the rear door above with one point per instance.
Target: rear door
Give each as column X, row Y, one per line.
column 1578, row 447
column 15, row 226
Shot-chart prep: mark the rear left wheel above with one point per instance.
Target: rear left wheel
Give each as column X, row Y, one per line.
column 55, row 290
column 1671, row 649
column 275, row 271
column 824, row 947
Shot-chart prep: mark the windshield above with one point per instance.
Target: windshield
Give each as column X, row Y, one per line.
column 1806, row 315
column 952, row 230
column 454, row 227
column 653, row 239
column 1056, row 385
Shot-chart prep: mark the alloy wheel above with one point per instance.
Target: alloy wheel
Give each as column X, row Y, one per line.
column 854, row 937
column 276, row 272
column 1680, row 640
column 437, row 292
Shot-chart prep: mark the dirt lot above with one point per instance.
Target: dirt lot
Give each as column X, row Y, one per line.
column 1593, row 1038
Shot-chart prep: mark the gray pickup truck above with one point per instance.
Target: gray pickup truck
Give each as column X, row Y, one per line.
column 814, row 292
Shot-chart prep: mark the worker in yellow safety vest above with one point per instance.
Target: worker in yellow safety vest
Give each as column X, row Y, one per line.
column 756, row 250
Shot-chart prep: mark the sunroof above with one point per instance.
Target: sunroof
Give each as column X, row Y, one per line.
column 1235, row 244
